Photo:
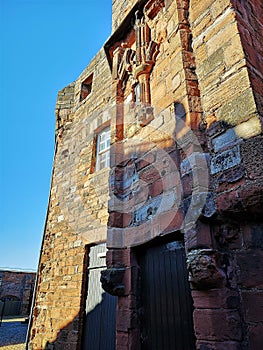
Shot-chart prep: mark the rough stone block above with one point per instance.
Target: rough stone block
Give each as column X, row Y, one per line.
column 199, row 236
column 225, row 160
column 225, row 345
column 213, row 61
column 253, row 236
column 149, row 174
column 224, row 140
column 251, row 268
column 217, row 325
column 252, row 157
column 239, row 109
column 255, row 336
column 228, row 236
column 253, row 306
column 216, row 299
column 215, row 128
column 231, row 175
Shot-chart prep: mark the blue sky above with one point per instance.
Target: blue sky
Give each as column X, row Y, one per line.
column 44, row 46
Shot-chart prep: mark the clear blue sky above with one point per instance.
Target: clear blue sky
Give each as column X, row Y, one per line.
column 44, row 46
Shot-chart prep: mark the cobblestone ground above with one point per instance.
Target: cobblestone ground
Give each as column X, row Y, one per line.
column 13, row 334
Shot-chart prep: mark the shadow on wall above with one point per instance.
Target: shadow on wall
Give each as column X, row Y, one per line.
column 97, row 333
column 159, row 178
column 67, row 337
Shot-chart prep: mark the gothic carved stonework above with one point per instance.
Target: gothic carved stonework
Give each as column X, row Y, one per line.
column 153, row 7
column 112, row 280
column 136, row 64
column 204, row 272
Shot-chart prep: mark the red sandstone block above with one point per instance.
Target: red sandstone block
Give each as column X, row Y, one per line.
column 122, row 340
column 175, row 158
column 219, row 325
column 252, row 236
column 123, row 320
column 225, row 345
column 128, row 301
column 227, row 201
column 117, row 219
column 156, row 188
column 255, row 336
column 183, row 4
column 185, row 39
column 146, row 160
column 228, row 235
column 188, row 59
column 196, row 108
column 251, row 268
column 192, row 88
column 171, row 220
column 134, row 339
column 114, row 257
column 127, row 281
column 215, row 299
column 253, row 306
column 225, row 186
column 198, row 236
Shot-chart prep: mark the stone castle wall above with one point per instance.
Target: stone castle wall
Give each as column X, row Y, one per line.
column 185, row 158
column 19, row 286
column 77, row 213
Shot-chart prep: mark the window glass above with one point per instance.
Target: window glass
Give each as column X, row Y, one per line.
column 103, row 149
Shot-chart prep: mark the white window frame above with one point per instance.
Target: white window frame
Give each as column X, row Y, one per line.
column 103, row 149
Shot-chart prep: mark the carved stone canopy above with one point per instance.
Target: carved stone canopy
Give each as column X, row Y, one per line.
column 136, row 62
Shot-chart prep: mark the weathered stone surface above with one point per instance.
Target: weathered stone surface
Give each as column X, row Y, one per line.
column 252, row 236
column 216, row 299
column 203, row 269
column 225, row 160
column 255, row 339
column 212, row 345
column 198, row 70
column 253, row 305
column 112, row 280
column 252, row 157
column 224, row 140
column 217, row 325
column 251, row 268
column 238, row 109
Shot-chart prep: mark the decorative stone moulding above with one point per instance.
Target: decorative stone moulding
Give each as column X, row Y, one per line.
column 204, row 272
column 137, row 64
column 152, row 8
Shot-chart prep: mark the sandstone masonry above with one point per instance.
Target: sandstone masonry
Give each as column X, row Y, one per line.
column 178, row 85
column 16, row 290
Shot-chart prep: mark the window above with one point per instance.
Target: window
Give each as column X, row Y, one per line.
column 137, row 94
column 86, row 87
column 103, row 149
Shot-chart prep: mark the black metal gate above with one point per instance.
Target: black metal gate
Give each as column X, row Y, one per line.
column 100, row 322
column 166, row 300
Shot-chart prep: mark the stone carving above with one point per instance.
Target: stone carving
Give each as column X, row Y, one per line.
column 153, row 7
column 136, row 64
column 112, row 280
column 204, row 272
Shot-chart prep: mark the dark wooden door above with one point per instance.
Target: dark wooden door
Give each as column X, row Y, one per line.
column 166, row 300
column 100, row 322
